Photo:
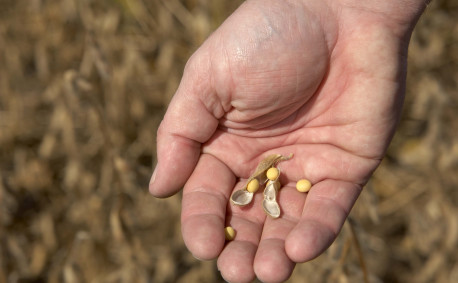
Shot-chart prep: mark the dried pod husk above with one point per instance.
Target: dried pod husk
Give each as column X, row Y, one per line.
column 267, row 163
column 269, row 204
column 271, row 208
column 241, row 197
column 271, row 190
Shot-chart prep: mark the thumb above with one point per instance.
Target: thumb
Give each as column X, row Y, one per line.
column 188, row 122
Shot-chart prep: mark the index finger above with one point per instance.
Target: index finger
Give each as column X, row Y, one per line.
column 205, row 198
column 188, row 122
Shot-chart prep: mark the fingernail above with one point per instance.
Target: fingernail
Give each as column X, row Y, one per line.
column 199, row 259
column 153, row 177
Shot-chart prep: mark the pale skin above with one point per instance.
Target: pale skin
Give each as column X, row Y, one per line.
column 323, row 80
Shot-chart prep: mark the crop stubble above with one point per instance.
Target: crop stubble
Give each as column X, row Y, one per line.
column 83, row 87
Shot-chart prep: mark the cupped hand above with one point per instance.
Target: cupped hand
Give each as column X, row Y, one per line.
column 324, row 82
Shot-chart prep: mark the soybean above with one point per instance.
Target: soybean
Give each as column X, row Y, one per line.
column 253, row 186
column 272, row 174
column 303, row 185
column 229, row 233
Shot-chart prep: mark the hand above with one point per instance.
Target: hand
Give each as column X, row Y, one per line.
column 323, row 81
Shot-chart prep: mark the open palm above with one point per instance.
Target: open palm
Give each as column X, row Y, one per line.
column 324, row 83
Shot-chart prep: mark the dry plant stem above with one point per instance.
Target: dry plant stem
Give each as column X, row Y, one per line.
column 344, row 253
column 360, row 253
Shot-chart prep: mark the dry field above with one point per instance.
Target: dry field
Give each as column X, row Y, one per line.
column 83, row 87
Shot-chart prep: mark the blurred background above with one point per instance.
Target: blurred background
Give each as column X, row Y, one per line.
column 83, row 87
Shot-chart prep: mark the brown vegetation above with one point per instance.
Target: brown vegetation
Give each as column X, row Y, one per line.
column 83, row 87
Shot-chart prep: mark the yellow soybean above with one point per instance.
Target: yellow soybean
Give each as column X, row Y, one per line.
column 272, row 174
column 229, row 233
column 303, row 185
column 253, row 186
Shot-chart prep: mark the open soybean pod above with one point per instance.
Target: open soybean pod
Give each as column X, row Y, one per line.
column 241, row 197
column 267, row 163
column 269, row 203
column 244, row 196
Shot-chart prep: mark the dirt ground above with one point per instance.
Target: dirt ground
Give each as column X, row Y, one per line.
column 83, row 87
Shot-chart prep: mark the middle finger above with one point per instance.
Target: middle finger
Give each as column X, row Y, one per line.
column 271, row 263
